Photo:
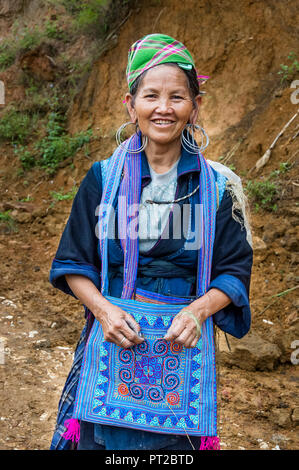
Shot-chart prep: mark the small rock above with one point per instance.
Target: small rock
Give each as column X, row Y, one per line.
column 258, row 244
column 250, row 353
column 295, row 258
column 223, row 444
column 22, row 217
column 273, row 232
column 281, row 416
column 32, row 333
column 295, row 416
column 9, row 303
column 277, row 438
column 285, row 339
column 44, row 416
column 268, row 322
column 264, row 445
column 292, row 277
column 42, row 343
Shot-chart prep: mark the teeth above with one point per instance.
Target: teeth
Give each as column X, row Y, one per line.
column 163, row 122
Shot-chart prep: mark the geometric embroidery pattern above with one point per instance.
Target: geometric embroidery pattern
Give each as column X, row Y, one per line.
column 155, row 386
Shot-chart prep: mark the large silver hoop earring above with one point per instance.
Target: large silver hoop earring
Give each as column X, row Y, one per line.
column 120, row 143
column 188, row 140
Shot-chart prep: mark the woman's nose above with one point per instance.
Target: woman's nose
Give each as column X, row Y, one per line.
column 163, row 105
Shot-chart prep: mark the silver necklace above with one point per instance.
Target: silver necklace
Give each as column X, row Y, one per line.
column 174, row 200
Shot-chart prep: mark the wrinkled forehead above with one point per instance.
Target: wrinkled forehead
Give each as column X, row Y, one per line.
column 165, row 76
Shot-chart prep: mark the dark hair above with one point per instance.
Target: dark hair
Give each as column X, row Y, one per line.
column 191, row 79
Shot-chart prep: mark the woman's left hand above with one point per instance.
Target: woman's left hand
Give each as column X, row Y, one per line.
column 184, row 328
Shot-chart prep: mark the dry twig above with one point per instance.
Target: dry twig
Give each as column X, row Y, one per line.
column 265, row 158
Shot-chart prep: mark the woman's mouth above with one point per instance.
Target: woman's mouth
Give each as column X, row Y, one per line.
column 162, row 122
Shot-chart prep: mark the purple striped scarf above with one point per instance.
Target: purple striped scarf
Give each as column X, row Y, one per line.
column 96, row 399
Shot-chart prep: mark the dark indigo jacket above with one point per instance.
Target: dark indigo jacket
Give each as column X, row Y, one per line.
column 231, row 268
column 232, row 256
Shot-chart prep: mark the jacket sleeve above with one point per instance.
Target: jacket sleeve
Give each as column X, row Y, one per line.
column 231, row 270
column 77, row 252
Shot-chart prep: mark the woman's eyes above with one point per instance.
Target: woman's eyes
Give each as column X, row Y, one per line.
column 151, row 96
column 177, row 97
column 173, row 97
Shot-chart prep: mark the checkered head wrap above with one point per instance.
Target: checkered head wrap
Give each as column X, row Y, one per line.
column 157, row 49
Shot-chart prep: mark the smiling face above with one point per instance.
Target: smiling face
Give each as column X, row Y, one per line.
column 163, row 105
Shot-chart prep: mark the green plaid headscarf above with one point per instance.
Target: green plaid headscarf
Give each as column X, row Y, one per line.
column 156, row 49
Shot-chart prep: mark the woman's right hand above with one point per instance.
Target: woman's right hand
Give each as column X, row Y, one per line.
column 119, row 327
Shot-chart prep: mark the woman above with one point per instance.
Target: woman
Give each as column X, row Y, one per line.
column 161, row 168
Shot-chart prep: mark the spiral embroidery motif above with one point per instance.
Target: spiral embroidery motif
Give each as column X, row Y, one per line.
column 171, row 363
column 154, row 394
column 142, row 348
column 126, row 375
column 137, row 392
column 160, row 347
column 123, row 389
column 176, row 348
column 173, row 398
column 150, row 370
column 125, row 356
column 171, row 381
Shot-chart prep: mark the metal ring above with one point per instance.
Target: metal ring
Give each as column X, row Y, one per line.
column 144, row 139
column 124, row 338
column 190, row 145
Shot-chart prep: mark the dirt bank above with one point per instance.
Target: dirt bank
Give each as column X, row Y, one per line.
column 241, row 46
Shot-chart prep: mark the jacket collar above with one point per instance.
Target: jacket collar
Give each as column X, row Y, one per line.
column 188, row 163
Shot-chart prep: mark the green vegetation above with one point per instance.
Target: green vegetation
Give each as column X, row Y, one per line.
column 16, row 126
column 88, row 15
column 27, row 199
column 24, row 40
column 265, row 194
column 36, row 125
column 288, row 71
column 7, row 221
column 59, row 196
column 54, row 148
column 53, row 31
column 283, row 168
column 7, row 55
column 26, row 158
column 57, row 146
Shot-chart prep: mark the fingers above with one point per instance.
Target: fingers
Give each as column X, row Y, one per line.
column 135, row 327
column 132, row 330
column 120, row 328
column 124, row 342
column 124, row 336
column 176, row 328
column 183, row 331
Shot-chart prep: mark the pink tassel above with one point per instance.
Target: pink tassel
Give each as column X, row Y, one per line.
column 72, row 432
column 210, row 443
